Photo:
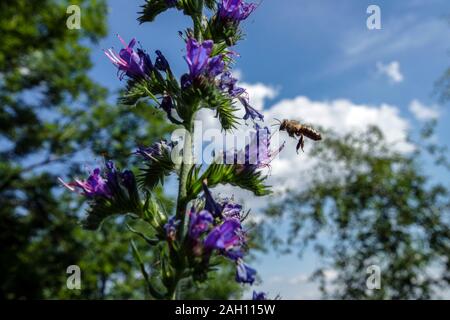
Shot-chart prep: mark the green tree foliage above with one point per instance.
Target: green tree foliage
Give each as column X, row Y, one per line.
column 54, row 116
column 442, row 85
column 368, row 205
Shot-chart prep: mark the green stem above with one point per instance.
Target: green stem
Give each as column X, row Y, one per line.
column 184, row 172
column 186, row 167
column 182, row 203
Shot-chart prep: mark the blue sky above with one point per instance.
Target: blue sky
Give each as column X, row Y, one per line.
column 318, row 56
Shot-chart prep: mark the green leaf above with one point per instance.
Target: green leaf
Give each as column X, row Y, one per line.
column 211, row 4
column 143, row 89
column 221, row 48
column 151, row 9
column 236, row 175
column 225, row 113
column 228, row 33
column 98, row 211
column 154, row 216
column 139, row 260
column 189, row 7
column 156, row 170
column 101, row 209
column 150, row 241
column 224, row 107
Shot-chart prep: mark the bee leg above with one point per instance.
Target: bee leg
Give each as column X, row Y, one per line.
column 301, row 144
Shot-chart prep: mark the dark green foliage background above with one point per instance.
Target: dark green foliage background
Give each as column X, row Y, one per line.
column 54, row 117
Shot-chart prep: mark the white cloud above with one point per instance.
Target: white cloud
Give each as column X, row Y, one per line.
column 259, row 93
column 237, row 73
column 330, row 274
column 299, row 279
column 391, row 70
column 422, row 112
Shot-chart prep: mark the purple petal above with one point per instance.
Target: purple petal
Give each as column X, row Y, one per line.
column 244, row 273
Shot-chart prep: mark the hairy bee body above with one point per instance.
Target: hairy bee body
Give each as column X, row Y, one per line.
column 296, row 129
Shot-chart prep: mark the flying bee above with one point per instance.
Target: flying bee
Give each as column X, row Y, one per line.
column 296, row 129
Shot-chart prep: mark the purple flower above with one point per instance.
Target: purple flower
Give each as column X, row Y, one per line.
column 186, row 81
column 235, row 10
column 250, row 112
column 231, row 210
column 167, row 105
column 161, row 62
column 227, row 83
column 244, row 273
column 94, row 186
column 259, row 295
column 225, row 236
column 264, row 154
column 119, row 189
column 198, row 56
column 216, row 65
column 257, row 154
column 199, row 223
column 114, row 178
column 210, row 204
column 200, row 61
column 262, row 151
column 128, row 180
column 155, row 150
column 228, row 238
column 234, row 254
column 98, row 185
column 134, row 64
column 171, row 228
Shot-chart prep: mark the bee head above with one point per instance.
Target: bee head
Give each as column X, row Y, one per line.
column 284, row 124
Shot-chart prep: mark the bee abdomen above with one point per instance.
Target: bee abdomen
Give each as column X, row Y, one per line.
column 310, row 133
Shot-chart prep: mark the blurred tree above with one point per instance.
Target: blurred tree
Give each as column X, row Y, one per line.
column 442, row 85
column 369, row 205
column 53, row 116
